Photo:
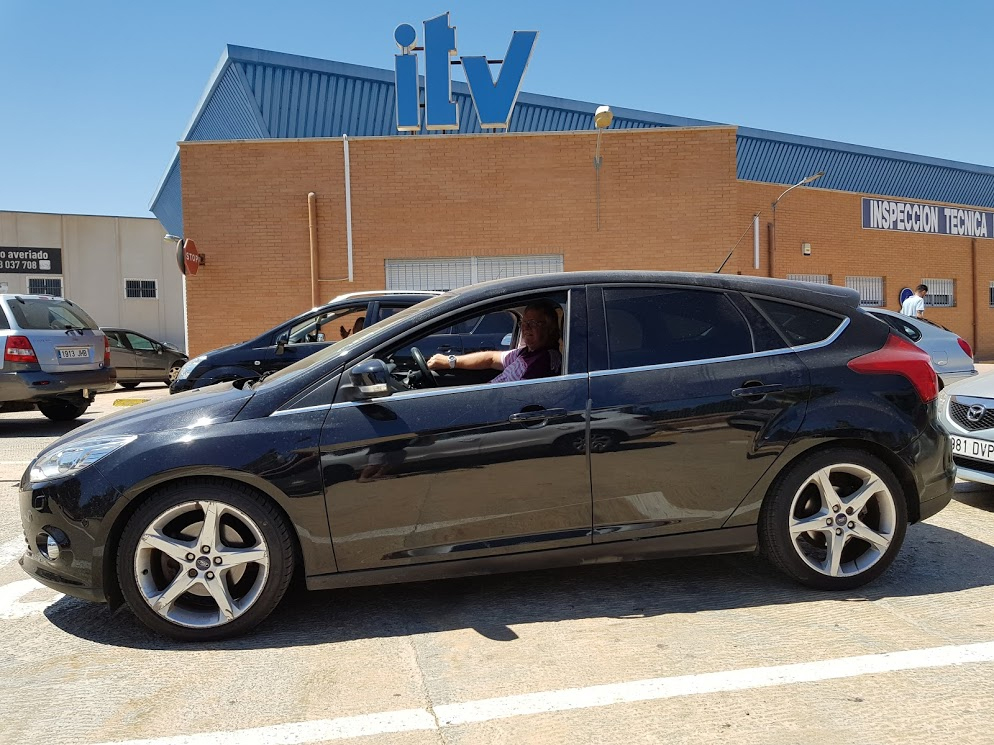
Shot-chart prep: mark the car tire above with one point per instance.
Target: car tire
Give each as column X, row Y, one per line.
column 129, row 384
column 63, row 410
column 173, row 374
column 235, row 583
column 834, row 520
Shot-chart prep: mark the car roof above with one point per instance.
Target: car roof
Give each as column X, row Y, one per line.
column 842, row 298
column 384, row 294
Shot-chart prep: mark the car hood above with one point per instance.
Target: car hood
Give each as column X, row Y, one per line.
column 981, row 386
column 216, row 404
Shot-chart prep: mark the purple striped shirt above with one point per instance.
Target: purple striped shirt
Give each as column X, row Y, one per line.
column 522, row 364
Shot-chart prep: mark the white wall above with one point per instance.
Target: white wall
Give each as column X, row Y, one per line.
column 98, row 254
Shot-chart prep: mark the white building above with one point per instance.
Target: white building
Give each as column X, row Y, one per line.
column 118, row 269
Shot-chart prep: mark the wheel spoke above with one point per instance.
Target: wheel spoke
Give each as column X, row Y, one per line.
column 180, row 584
column 857, row 501
column 209, row 535
column 234, row 557
column 829, row 496
column 833, row 557
column 171, row 547
column 813, row 524
column 218, row 589
column 875, row 539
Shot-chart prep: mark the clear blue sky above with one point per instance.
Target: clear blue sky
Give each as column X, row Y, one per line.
column 95, row 95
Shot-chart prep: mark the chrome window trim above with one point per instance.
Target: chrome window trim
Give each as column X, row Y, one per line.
column 301, row 410
column 712, row 360
column 431, row 392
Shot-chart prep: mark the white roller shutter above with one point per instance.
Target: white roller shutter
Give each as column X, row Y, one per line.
column 447, row 274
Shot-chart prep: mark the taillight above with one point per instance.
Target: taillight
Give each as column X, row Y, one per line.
column 900, row 357
column 19, row 349
column 965, row 347
column 106, row 352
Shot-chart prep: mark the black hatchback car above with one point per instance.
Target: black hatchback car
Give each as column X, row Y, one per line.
column 746, row 413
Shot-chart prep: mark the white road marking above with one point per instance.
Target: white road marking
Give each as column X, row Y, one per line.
column 581, row 698
column 11, row 605
column 11, row 551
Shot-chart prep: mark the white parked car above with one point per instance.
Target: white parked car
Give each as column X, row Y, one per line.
column 966, row 411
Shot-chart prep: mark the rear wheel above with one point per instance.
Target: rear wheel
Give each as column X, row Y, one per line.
column 835, row 520
column 63, row 410
column 205, row 561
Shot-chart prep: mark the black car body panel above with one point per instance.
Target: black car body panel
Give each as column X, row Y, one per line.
column 621, row 456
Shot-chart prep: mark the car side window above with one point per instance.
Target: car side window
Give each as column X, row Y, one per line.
column 798, row 324
column 140, row 343
column 655, row 326
column 114, row 339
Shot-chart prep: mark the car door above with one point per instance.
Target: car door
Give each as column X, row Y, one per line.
column 149, row 363
column 122, row 358
column 460, row 472
column 689, row 404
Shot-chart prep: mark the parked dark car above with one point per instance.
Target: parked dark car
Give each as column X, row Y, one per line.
column 54, row 357
column 754, row 413
column 141, row 359
column 290, row 341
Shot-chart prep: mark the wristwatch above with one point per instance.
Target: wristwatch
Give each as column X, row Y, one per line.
column 452, row 362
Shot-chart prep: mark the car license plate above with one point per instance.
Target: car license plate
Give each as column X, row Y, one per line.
column 967, row 447
column 74, row 353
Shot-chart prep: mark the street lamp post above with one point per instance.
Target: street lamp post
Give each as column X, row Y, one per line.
column 773, row 237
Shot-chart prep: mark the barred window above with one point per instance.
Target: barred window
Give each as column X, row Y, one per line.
column 141, row 288
column 941, row 292
column 818, row 279
column 870, row 289
column 45, row 286
column 992, row 294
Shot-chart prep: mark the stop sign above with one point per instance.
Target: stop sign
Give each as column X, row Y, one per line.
column 187, row 256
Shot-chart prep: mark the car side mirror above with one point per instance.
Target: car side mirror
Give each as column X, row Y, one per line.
column 370, row 379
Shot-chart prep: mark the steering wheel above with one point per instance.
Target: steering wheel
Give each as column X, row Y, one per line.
column 426, row 374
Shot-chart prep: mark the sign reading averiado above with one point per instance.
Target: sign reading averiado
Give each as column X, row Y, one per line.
column 494, row 101
column 918, row 217
column 30, row 260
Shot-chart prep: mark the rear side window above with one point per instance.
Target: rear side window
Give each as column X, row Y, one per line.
column 45, row 313
column 797, row 324
column 902, row 327
column 656, row 326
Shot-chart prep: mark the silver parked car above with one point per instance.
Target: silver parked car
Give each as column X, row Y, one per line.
column 951, row 355
column 53, row 356
column 966, row 411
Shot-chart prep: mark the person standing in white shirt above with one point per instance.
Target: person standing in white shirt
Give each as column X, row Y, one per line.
column 914, row 306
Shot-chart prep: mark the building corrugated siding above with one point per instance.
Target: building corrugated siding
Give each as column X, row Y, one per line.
column 258, row 94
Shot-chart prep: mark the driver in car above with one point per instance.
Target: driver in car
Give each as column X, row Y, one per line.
column 538, row 357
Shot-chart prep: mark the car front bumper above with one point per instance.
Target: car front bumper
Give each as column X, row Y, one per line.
column 35, row 386
column 74, row 510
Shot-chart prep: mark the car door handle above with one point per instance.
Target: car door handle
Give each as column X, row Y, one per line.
column 536, row 416
column 444, row 349
column 754, row 390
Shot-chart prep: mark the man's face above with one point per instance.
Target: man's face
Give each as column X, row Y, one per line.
column 535, row 329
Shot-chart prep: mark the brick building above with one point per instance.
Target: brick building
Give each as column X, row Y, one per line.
column 432, row 211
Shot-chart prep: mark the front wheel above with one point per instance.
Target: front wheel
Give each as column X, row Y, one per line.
column 173, row 374
column 205, row 561
column 835, row 520
column 63, row 410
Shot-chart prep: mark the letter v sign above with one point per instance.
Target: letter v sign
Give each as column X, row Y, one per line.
column 494, row 102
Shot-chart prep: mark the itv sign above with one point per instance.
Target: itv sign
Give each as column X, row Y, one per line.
column 493, row 100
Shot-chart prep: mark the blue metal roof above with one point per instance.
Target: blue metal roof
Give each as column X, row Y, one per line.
column 257, row 94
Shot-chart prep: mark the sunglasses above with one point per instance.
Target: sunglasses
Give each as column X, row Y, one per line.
column 533, row 324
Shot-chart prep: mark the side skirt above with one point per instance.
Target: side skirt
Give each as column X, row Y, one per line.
column 723, row 541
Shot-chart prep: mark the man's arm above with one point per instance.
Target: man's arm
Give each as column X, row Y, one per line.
column 489, row 360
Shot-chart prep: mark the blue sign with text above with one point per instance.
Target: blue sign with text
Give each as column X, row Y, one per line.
column 916, row 217
column 494, row 100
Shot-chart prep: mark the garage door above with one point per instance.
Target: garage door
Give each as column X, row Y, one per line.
column 447, row 274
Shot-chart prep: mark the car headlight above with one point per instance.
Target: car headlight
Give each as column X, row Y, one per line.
column 74, row 457
column 184, row 372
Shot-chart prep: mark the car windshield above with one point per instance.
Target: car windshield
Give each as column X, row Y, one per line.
column 32, row 313
column 353, row 340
